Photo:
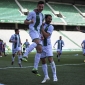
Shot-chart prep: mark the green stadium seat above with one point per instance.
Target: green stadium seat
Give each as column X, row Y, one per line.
column 81, row 8
column 10, row 12
column 71, row 15
column 32, row 5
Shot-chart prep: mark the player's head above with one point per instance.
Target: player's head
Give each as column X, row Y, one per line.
column 40, row 6
column 60, row 37
column 17, row 31
column 26, row 40
column 48, row 18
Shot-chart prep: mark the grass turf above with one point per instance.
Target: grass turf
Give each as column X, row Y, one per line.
column 70, row 70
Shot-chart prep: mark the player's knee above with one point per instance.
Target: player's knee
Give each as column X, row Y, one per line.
column 19, row 53
column 37, row 41
column 43, row 60
column 50, row 59
column 39, row 48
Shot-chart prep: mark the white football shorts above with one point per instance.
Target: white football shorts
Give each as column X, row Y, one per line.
column 15, row 50
column 47, row 51
column 59, row 50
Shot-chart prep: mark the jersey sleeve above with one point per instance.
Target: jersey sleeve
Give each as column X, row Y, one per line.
column 12, row 37
column 50, row 29
column 29, row 16
column 82, row 42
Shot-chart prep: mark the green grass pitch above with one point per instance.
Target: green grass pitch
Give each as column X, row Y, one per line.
column 70, row 70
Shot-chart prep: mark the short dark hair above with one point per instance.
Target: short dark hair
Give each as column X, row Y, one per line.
column 46, row 16
column 16, row 30
column 40, row 2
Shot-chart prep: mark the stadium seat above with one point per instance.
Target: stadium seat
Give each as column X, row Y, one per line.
column 71, row 15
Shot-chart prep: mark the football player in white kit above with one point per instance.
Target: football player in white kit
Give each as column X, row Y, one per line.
column 83, row 47
column 83, row 44
column 83, row 31
column 16, row 47
column 34, row 20
column 60, row 44
column 47, row 30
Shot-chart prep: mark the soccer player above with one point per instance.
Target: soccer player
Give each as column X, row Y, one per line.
column 83, row 47
column 83, row 43
column 4, row 47
column 34, row 20
column 25, row 45
column 47, row 30
column 1, row 47
column 60, row 44
column 16, row 47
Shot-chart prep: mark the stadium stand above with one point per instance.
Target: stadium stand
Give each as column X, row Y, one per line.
column 81, row 8
column 10, row 12
column 32, row 5
column 71, row 15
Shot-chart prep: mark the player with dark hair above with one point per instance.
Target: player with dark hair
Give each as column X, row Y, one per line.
column 16, row 47
column 60, row 44
column 25, row 45
column 83, row 47
column 1, row 47
column 47, row 30
column 34, row 21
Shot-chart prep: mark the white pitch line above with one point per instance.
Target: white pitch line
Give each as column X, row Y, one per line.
column 41, row 66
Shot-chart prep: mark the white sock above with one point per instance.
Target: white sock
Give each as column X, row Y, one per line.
column 36, row 60
column 58, row 56
column 53, row 67
column 29, row 49
column 19, row 59
column 45, row 70
column 13, row 58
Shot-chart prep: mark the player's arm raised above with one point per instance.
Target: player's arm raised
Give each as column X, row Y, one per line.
column 29, row 19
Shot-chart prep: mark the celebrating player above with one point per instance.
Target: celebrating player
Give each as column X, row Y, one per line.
column 59, row 47
column 16, row 47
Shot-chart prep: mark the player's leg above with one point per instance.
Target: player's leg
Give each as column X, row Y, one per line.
column 37, row 59
column 45, row 70
column 44, row 66
column 53, row 67
column 58, row 54
column 0, row 54
column 13, row 56
column 4, row 51
column 35, row 38
column 19, row 56
column 83, row 50
column 52, row 63
column 23, row 50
